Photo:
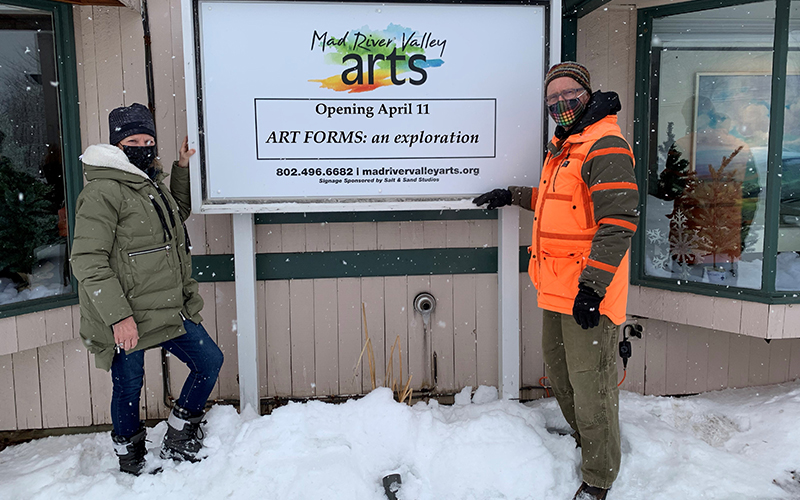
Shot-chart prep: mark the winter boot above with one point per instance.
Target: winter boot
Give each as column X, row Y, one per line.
column 586, row 492
column 184, row 437
column 131, row 451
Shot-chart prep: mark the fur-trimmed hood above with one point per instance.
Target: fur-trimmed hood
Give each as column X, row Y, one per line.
column 109, row 156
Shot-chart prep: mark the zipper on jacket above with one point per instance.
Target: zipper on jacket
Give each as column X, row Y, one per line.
column 558, row 169
column 188, row 242
column 167, row 234
column 152, row 250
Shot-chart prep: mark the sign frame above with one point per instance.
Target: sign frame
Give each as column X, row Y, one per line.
column 201, row 203
column 509, row 375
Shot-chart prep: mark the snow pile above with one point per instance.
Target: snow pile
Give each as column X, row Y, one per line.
column 725, row 445
column 788, row 274
column 9, row 293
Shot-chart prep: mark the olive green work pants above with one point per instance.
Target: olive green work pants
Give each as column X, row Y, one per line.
column 581, row 366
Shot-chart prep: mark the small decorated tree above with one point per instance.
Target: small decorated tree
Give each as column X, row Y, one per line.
column 717, row 210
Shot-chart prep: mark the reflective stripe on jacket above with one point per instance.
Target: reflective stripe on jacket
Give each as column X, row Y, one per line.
column 585, row 212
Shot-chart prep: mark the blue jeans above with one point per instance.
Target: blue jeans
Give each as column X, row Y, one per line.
column 195, row 348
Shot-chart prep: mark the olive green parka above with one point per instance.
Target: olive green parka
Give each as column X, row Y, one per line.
column 131, row 253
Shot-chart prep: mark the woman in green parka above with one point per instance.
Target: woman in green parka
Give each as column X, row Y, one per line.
column 131, row 256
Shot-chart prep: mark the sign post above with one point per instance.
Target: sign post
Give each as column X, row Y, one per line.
column 244, row 254
column 508, row 301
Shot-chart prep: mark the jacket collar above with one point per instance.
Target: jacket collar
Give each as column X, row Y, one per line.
column 108, row 156
column 108, row 159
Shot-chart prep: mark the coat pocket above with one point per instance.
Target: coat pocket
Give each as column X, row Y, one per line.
column 559, row 272
column 152, row 270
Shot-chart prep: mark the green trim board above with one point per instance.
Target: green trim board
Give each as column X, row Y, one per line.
column 642, row 127
column 569, row 37
column 213, row 268
column 66, row 63
column 775, row 144
column 387, row 216
column 711, row 290
column 641, row 120
column 372, row 263
column 70, row 116
column 40, row 4
column 38, row 305
column 356, row 264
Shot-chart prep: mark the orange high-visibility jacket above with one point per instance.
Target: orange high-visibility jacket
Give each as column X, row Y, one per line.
column 585, row 212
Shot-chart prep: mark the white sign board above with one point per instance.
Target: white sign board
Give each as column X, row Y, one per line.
column 304, row 106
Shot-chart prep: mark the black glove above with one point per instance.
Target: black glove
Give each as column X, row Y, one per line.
column 497, row 198
column 586, row 309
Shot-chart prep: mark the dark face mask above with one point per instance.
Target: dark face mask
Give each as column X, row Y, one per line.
column 141, row 156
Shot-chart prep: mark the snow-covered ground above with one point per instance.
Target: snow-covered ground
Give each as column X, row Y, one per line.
column 731, row 444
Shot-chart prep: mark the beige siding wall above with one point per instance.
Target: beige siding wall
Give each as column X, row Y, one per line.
column 44, row 372
column 607, row 47
column 685, row 359
column 312, row 332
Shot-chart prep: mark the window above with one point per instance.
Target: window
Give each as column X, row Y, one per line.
column 788, row 262
column 37, row 186
column 704, row 157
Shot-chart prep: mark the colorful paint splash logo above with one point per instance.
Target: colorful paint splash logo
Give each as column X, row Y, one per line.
column 372, row 59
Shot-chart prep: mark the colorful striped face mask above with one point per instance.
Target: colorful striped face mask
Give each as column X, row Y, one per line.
column 567, row 111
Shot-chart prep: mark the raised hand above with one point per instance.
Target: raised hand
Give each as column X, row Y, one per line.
column 185, row 153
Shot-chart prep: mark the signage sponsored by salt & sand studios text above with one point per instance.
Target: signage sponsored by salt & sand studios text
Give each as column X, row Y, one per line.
column 330, row 102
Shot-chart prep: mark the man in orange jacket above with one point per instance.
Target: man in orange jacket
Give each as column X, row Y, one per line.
column 586, row 210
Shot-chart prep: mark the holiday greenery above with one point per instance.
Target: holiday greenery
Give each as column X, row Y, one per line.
column 717, row 210
column 711, row 213
column 27, row 219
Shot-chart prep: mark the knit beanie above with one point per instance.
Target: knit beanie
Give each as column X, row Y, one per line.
column 127, row 121
column 570, row 69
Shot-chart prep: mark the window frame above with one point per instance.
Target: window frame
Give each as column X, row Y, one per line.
column 642, row 122
column 66, row 66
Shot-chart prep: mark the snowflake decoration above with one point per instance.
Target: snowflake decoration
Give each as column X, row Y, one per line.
column 679, row 219
column 685, row 247
column 660, row 260
column 655, row 237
